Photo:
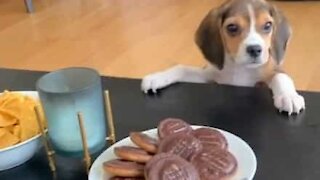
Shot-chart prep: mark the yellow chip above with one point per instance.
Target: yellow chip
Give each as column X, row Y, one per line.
column 17, row 131
column 10, row 128
column 28, row 123
column 4, row 97
column 7, row 139
column 7, row 118
column 13, row 102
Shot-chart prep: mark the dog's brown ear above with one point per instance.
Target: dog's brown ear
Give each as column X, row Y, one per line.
column 281, row 35
column 208, row 37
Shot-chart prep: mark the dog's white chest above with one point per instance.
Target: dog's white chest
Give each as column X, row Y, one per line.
column 238, row 76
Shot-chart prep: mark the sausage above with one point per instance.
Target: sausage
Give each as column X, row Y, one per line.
column 123, row 168
column 144, row 141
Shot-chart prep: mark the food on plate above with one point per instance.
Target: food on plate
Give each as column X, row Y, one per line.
column 124, row 168
column 172, row 126
column 210, row 138
column 179, row 153
column 17, row 118
column 155, row 159
column 145, row 142
column 172, row 167
column 214, row 164
column 126, row 178
column 130, row 153
column 183, row 145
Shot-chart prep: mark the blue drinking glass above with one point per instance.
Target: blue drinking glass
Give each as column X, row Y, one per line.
column 64, row 93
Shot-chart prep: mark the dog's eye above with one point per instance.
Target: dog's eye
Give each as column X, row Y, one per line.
column 233, row 29
column 267, row 27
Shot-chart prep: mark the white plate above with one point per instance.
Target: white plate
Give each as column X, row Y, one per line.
column 247, row 163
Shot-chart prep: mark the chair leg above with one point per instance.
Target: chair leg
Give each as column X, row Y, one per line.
column 29, row 6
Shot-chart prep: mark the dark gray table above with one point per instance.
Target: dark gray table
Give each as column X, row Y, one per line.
column 286, row 148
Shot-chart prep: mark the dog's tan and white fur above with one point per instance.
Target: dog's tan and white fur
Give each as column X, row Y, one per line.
column 244, row 42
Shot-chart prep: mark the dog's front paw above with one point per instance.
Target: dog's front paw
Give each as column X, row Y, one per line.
column 289, row 102
column 156, row 81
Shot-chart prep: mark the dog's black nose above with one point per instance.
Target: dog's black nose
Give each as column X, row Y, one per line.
column 254, row 50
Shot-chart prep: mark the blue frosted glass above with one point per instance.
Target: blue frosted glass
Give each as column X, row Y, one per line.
column 65, row 92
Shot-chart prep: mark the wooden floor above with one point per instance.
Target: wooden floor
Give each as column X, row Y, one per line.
column 130, row 38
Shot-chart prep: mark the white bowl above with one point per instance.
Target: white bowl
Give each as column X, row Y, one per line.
column 18, row 154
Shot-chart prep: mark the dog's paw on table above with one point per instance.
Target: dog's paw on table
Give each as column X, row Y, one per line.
column 156, row 81
column 289, row 102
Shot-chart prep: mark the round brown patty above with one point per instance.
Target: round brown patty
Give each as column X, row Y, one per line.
column 183, row 145
column 211, row 138
column 172, row 126
column 155, row 159
column 170, row 167
column 214, row 164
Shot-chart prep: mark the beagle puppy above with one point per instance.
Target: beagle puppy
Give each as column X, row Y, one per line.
column 244, row 42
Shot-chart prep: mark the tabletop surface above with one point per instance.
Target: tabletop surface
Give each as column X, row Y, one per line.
column 287, row 148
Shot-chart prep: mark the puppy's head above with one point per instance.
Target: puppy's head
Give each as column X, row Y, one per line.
column 248, row 31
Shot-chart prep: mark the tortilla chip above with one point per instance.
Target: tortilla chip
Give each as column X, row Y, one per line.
column 17, row 131
column 7, row 118
column 7, row 139
column 28, row 123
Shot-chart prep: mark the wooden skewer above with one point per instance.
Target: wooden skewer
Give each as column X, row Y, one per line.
column 112, row 136
column 87, row 157
column 50, row 153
